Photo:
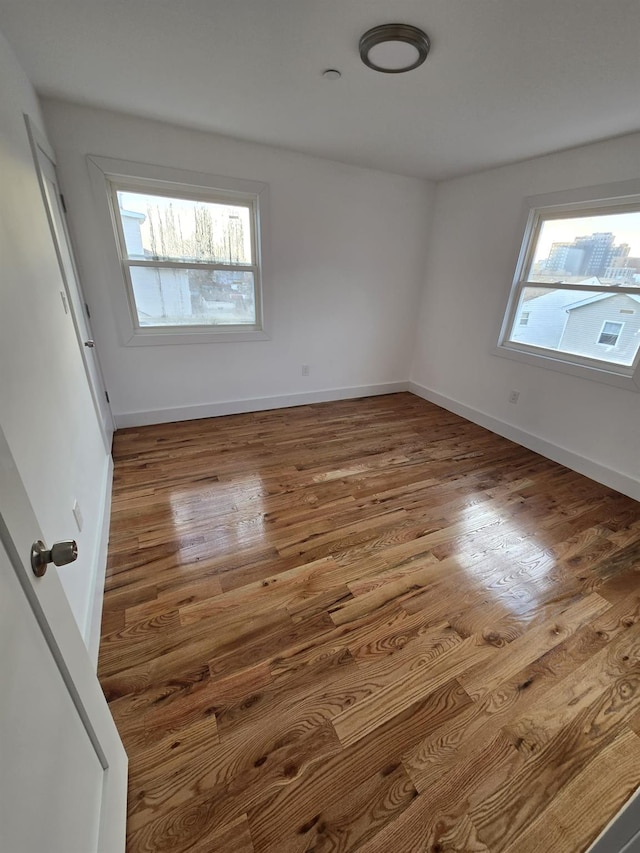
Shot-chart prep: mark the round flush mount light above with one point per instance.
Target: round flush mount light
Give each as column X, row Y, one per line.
column 394, row 48
column 331, row 74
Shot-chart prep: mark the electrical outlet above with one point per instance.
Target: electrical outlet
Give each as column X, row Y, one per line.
column 305, row 370
column 77, row 514
column 514, row 396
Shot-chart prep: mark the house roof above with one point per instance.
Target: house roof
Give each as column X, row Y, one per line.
column 132, row 214
column 598, row 297
column 551, row 300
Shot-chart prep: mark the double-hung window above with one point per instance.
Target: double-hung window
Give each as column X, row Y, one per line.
column 610, row 333
column 189, row 252
column 574, row 304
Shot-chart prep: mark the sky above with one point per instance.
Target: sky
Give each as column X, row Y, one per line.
column 183, row 210
column 626, row 227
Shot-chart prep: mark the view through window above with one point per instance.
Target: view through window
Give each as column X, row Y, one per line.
column 189, row 261
column 578, row 297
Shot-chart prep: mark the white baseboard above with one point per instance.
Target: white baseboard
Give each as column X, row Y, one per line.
column 594, row 470
column 94, row 615
column 256, row 404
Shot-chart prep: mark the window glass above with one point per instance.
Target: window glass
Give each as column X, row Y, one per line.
column 192, row 297
column 572, row 249
column 579, row 322
column 575, row 299
column 610, row 333
column 160, row 228
column 188, row 262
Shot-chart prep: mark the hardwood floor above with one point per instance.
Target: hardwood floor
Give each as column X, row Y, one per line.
column 368, row 625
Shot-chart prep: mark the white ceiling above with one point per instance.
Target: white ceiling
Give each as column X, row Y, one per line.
column 505, row 80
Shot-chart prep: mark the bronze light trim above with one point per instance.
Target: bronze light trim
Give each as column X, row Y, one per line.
column 395, row 32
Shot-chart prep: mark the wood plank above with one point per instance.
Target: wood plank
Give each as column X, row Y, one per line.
column 426, row 675
column 422, row 830
column 356, row 817
column 533, row 645
column 330, row 781
column 614, row 672
column 507, row 813
column 246, row 776
column 484, row 719
column 367, row 625
column 584, row 806
column 442, row 810
column 234, row 838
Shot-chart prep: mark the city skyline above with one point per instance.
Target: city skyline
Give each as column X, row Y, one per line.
column 595, row 255
column 625, row 227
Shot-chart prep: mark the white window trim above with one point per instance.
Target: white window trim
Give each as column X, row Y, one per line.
column 594, row 199
column 618, row 335
column 107, row 173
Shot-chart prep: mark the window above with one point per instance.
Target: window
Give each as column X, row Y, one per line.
column 188, row 262
column 189, row 249
column 610, row 333
column 579, row 269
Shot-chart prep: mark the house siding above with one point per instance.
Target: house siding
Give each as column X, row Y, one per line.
column 547, row 318
column 584, row 325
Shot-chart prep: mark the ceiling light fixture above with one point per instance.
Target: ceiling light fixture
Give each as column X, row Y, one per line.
column 394, row 48
column 331, row 74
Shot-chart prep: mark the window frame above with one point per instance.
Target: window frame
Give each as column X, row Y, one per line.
column 587, row 201
column 110, row 176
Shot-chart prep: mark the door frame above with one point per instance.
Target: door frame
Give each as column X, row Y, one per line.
column 38, row 143
column 46, row 597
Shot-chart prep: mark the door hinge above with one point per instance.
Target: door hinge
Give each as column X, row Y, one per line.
column 86, row 308
column 63, row 203
column 106, row 394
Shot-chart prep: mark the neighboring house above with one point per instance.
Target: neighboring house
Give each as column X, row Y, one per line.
column 541, row 320
column 581, row 323
column 605, row 325
column 159, row 298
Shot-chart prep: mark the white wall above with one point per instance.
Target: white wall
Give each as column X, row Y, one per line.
column 347, row 252
column 474, row 246
column 46, row 410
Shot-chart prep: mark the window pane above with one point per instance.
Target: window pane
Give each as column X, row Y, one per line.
column 174, row 229
column 603, row 325
column 610, row 333
column 193, row 297
column 602, row 249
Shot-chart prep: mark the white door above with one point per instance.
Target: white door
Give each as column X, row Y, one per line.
column 72, row 296
column 63, row 769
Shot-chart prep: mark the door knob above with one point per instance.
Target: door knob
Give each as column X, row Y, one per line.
column 60, row 554
column 89, row 344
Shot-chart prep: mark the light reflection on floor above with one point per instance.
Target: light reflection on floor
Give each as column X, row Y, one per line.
column 195, row 508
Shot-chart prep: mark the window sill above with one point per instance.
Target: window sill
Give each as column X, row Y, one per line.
column 199, row 335
column 584, row 371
